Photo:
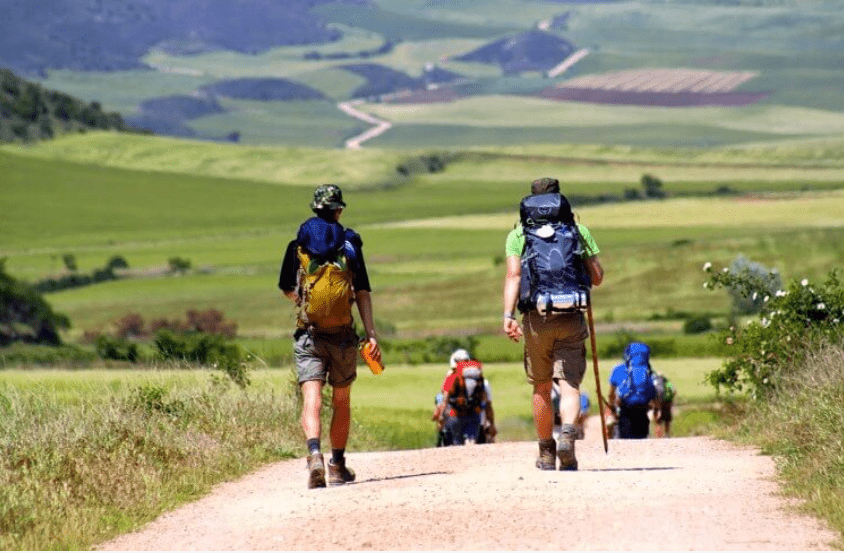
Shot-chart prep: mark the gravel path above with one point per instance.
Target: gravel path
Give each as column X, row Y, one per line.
column 650, row 495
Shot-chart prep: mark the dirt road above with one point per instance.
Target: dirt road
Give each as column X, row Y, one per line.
column 672, row 494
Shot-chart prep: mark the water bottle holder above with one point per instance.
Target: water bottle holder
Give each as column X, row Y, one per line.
column 562, row 302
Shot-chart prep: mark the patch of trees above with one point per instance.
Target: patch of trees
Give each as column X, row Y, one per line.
column 263, row 89
column 385, row 48
column 30, row 112
column 76, row 280
column 24, row 314
column 381, row 79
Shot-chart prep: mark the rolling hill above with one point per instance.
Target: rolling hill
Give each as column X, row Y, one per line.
column 573, row 55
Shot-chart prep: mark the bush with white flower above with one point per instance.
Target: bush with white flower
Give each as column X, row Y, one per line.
column 790, row 322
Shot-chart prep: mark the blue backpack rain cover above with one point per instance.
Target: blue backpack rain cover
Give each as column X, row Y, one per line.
column 554, row 278
column 637, row 389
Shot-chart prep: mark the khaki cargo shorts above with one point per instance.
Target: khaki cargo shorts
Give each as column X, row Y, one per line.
column 326, row 357
column 555, row 348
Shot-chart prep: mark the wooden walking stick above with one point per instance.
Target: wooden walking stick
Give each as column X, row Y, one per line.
column 601, row 404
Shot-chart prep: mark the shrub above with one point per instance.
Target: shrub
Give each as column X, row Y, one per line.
column 791, row 320
column 179, row 265
column 130, row 325
column 118, row 349
column 652, row 186
column 697, row 325
column 748, row 300
column 25, row 315
column 204, row 349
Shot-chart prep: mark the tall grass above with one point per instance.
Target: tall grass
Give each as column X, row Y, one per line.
column 86, row 458
column 801, row 425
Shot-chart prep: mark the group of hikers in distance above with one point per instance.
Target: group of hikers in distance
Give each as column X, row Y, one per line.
column 552, row 263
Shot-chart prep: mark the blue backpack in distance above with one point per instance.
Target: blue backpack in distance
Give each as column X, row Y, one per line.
column 637, row 389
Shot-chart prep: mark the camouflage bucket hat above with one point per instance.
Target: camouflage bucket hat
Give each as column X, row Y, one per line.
column 545, row 185
column 328, row 196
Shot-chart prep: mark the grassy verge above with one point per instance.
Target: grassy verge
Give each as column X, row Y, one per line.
column 801, row 426
column 88, row 455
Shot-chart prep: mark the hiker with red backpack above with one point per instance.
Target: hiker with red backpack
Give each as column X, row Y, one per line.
column 552, row 264
column 464, row 399
column 632, row 392
column 323, row 273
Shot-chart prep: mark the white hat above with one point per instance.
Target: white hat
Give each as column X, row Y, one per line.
column 459, row 355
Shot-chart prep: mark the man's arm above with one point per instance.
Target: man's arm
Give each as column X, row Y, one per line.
column 364, row 301
column 511, row 295
column 596, row 272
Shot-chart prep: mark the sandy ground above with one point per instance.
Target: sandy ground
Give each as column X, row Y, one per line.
column 649, row 495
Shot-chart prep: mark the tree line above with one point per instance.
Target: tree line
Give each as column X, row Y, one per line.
column 29, row 112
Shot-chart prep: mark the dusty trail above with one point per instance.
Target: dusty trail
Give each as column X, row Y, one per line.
column 684, row 493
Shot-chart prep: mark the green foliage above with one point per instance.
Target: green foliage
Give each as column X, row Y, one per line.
column 179, row 265
column 118, row 349
column 30, row 112
column 697, row 324
column 790, row 322
column 652, row 187
column 204, row 349
column 152, row 398
column 65, row 356
column 25, row 315
column 69, row 261
column 800, row 424
column 76, row 280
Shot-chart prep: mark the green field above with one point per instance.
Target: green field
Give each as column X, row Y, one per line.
column 434, row 242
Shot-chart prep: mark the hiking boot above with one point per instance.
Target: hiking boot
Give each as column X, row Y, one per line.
column 316, row 471
column 546, row 460
column 339, row 474
column 565, row 448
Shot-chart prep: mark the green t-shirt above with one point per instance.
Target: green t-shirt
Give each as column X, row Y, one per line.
column 516, row 242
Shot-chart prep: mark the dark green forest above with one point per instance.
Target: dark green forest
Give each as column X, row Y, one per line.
column 29, row 112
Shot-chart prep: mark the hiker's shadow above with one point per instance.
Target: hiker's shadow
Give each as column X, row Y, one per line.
column 630, row 469
column 401, row 477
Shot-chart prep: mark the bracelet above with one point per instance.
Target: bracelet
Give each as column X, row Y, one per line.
column 509, row 315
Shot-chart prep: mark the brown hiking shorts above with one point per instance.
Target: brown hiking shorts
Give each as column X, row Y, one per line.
column 331, row 357
column 554, row 347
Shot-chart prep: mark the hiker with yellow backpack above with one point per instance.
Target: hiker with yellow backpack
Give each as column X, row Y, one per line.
column 323, row 273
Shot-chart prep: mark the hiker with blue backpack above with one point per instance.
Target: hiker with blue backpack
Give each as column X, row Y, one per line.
column 632, row 392
column 552, row 263
column 323, row 273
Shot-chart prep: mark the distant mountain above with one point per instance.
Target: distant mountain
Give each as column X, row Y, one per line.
column 106, row 35
column 528, row 51
column 30, row 112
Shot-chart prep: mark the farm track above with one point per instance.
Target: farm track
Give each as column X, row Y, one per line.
column 680, row 493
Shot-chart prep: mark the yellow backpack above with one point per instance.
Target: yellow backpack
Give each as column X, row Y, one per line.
column 326, row 293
